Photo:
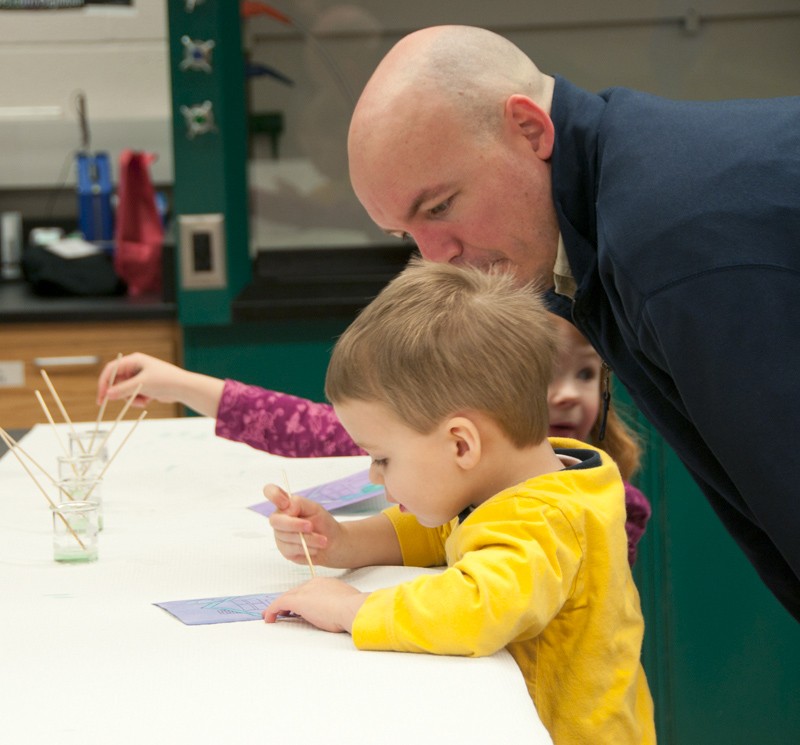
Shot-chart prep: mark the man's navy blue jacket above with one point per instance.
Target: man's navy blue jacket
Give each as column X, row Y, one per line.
column 681, row 223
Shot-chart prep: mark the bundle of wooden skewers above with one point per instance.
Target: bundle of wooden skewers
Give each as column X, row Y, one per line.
column 95, row 446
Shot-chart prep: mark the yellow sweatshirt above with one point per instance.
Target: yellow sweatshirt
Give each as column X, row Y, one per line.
column 541, row 569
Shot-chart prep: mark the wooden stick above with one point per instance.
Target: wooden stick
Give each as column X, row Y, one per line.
column 302, row 537
column 52, row 423
column 61, row 408
column 105, row 401
column 13, row 447
column 63, row 447
column 119, row 416
column 111, row 459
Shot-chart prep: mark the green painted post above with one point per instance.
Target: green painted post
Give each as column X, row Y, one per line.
column 210, row 167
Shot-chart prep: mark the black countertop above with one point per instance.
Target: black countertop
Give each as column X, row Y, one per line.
column 286, row 284
column 18, row 304
column 317, row 283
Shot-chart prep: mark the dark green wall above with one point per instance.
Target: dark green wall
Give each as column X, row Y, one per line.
column 721, row 654
column 286, row 356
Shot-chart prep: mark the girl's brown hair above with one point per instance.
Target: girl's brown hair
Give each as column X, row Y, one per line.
column 620, row 440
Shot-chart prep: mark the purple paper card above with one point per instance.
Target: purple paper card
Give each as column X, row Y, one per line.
column 334, row 494
column 219, row 610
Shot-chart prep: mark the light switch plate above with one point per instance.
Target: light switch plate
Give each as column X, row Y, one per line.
column 202, row 252
column 12, row 374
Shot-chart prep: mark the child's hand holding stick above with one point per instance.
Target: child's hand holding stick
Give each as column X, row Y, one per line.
column 302, row 537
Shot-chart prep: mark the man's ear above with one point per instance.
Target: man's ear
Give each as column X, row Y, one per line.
column 466, row 441
column 532, row 122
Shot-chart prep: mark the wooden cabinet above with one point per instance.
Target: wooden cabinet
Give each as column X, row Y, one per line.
column 72, row 355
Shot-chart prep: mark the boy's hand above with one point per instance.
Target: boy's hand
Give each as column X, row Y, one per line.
column 298, row 515
column 329, row 604
column 368, row 541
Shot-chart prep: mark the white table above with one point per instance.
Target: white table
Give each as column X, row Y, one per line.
column 88, row 659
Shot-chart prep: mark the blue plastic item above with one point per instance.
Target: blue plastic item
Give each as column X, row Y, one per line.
column 95, row 217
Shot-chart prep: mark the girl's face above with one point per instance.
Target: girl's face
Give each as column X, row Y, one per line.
column 573, row 397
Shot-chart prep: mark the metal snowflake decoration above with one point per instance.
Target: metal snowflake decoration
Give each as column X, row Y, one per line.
column 199, row 119
column 196, row 54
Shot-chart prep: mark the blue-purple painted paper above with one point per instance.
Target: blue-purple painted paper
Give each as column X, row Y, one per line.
column 219, row 610
column 334, row 494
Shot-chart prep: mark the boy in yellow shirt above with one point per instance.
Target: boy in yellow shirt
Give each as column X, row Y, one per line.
column 443, row 380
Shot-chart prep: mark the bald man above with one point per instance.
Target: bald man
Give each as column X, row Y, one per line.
column 667, row 231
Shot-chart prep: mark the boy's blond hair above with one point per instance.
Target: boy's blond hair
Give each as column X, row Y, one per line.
column 441, row 340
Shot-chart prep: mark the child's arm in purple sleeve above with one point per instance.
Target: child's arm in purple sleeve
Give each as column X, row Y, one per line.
column 281, row 424
column 638, row 511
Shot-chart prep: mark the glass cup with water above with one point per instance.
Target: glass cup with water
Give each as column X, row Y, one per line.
column 74, row 488
column 75, row 527
column 90, row 442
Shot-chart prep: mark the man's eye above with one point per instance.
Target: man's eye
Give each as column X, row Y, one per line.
column 440, row 209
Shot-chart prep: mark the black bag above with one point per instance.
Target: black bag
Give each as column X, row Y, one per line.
column 52, row 275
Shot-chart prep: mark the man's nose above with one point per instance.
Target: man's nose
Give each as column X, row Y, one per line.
column 436, row 245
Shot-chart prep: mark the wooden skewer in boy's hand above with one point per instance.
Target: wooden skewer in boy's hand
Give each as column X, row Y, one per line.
column 297, row 520
column 302, row 537
column 368, row 541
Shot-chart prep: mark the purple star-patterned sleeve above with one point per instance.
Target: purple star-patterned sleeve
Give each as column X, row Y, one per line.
column 281, row 424
column 638, row 510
